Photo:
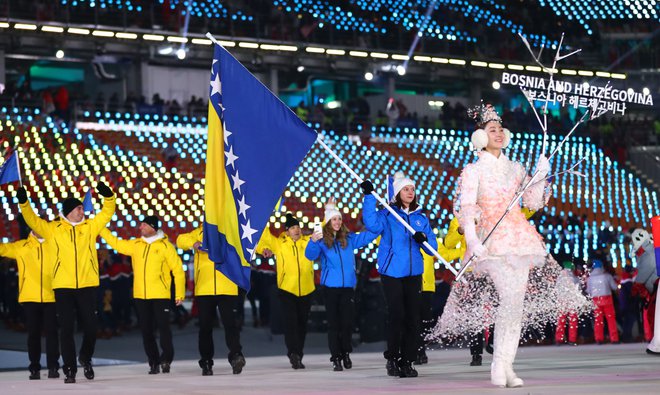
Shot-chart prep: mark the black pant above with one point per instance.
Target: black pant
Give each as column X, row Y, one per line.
column 339, row 305
column 264, row 283
column 295, row 311
column 42, row 317
column 206, row 307
column 477, row 341
column 403, row 296
column 155, row 312
column 428, row 319
column 67, row 301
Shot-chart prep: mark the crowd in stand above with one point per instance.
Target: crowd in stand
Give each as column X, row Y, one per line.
column 270, row 21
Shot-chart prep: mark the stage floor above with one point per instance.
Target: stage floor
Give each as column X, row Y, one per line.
column 587, row 369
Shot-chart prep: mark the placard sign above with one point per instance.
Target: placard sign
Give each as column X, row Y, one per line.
column 600, row 99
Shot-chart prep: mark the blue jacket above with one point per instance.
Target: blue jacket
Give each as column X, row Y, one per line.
column 398, row 254
column 338, row 264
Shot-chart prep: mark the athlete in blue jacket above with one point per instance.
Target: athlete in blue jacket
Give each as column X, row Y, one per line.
column 400, row 264
column 335, row 246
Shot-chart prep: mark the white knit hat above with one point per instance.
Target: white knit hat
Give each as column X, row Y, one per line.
column 400, row 181
column 331, row 211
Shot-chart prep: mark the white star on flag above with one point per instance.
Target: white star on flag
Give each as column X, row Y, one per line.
column 251, row 252
column 231, row 158
column 227, row 132
column 242, row 206
column 237, row 183
column 247, row 231
column 216, row 85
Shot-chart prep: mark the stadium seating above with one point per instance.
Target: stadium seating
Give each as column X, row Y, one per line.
column 125, row 150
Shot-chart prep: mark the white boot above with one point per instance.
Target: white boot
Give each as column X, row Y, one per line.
column 498, row 374
column 512, row 380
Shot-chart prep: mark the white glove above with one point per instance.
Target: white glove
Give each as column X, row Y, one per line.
column 474, row 245
column 543, row 166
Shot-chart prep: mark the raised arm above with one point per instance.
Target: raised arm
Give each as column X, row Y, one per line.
column 363, row 239
column 38, row 225
column 109, row 204
column 10, row 250
column 373, row 220
column 534, row 198
column 121, row 246
column 313, row 250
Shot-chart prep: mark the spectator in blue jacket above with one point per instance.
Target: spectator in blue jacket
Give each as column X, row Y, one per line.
column 335, row 246
column 400, row 265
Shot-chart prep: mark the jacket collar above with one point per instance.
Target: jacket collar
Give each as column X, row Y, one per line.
column 490, row 159
column 38, row 240
column 151, row 239
column 70, row 222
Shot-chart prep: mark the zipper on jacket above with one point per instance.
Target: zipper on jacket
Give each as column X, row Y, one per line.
column 341, row 262
column 197, row 271
column 409, row 245
column 75, row 251
column 215, row 280
column 41, row 269
column 145, row 256
column 295, row 252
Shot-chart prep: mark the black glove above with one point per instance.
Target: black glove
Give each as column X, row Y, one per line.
column 420, row 237
column 367, row 187
column 103, row 190
column 21, row 194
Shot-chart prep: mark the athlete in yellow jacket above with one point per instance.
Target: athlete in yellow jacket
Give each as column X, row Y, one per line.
column 34, row 260
column 75, row 272
column 450, row 250
column 295, row 280
column 213, row 290
column 154, row 261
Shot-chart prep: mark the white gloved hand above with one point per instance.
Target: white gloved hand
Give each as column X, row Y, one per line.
column 476, row 247
column 543, row 166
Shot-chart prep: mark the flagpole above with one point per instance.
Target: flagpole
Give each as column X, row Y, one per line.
column 210, row 37
column 18, row 169
column 384, row 203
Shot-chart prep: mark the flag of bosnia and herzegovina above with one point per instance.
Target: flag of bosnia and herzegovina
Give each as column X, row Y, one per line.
column 255, row 143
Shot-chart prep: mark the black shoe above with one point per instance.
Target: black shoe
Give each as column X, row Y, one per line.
column 296, row 361
column 53, row 373
column 35, row 374
column 237, row 363
column 407, row 370
column 476, row 360
column 392, row 367
column 69, row 375
column 207, row 367
column 336, row 365
column 347, row 361
column 87, row 369
column 422, row 359
column 165, row 367
column 154, row 369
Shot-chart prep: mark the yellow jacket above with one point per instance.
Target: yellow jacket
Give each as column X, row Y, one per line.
column 35, row 261
column 295, row 273
column 208, row 281
column 449, row 254
column 76, row 265
column 152, row 264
